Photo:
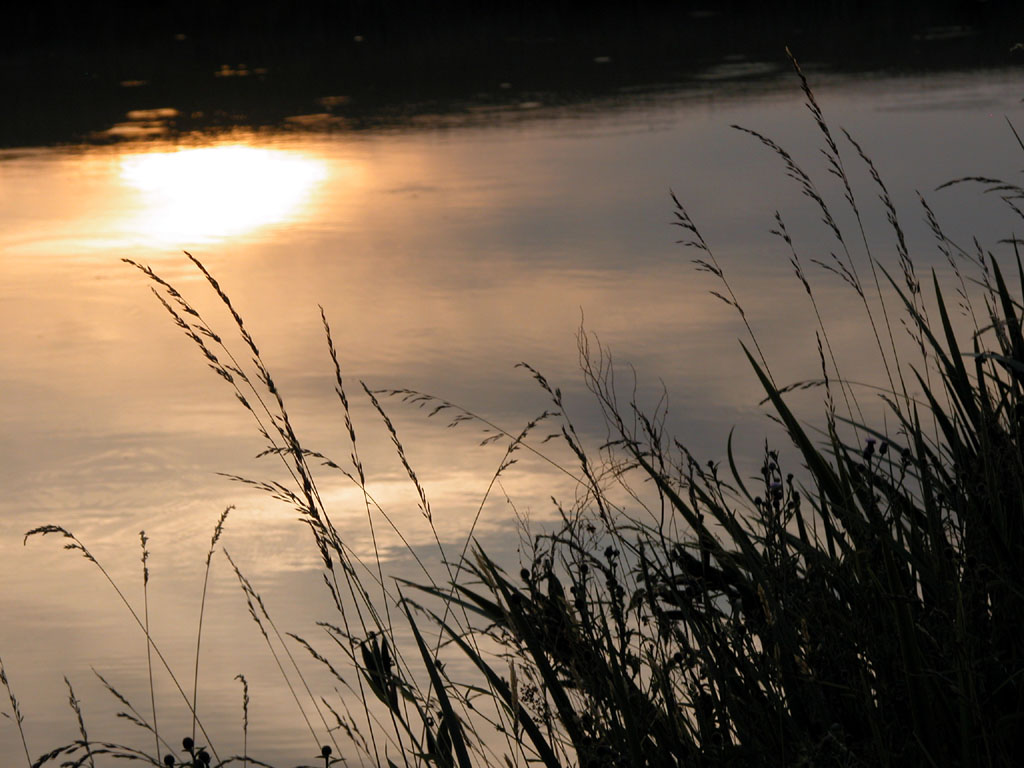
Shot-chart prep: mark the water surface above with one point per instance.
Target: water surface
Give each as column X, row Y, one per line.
column 443, row 253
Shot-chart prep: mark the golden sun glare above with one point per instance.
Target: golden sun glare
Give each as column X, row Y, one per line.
column 208, row 193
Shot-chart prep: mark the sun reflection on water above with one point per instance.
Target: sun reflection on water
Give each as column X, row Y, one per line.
column 207, row 193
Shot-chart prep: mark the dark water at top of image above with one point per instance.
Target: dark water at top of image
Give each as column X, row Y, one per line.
column 121, row 71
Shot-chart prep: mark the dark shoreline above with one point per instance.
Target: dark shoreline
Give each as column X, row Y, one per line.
column 399, row 63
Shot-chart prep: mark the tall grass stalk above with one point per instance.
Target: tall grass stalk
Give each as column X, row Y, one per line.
column 245, row 718
column 76, row 707
column 217, row 531
column 149, row 650
column 19, row 719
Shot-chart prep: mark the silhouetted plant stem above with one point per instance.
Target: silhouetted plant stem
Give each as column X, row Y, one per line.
column 217, row 531
column 16, row 710
column 149, row 650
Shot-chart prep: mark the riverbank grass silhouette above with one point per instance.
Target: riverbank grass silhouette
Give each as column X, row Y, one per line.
column 855, row 600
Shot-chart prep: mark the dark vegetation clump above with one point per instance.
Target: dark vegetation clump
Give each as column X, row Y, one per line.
column 861, row 604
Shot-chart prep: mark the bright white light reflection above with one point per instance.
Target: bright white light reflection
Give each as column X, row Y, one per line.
column 209, row 193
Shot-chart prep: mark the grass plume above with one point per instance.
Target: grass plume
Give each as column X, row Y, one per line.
column 19, row 719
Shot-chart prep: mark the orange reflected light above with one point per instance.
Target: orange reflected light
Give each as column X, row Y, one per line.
column 203, row 194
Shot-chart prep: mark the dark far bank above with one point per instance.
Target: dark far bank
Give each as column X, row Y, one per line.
column 71, row 71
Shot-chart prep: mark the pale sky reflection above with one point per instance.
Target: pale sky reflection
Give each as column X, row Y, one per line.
column 208, row 193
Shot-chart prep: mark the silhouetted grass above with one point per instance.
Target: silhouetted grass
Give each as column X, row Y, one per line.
column 859, row 605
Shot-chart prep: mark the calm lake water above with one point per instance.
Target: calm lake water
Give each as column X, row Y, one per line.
column 443, row 253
